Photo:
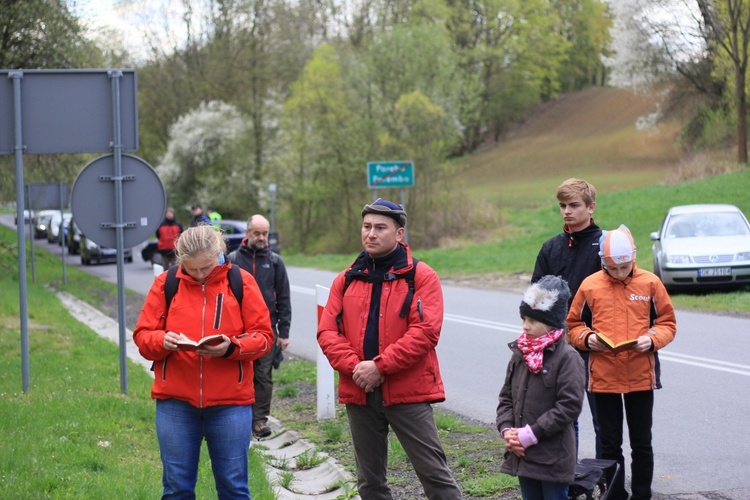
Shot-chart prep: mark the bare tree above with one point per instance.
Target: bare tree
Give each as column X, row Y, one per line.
column 726, row 24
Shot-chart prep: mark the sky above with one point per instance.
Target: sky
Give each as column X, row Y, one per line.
column 138, row 22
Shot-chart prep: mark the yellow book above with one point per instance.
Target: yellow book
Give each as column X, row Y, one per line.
column 618, row 347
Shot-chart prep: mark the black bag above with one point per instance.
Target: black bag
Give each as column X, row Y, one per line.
column 594, row 479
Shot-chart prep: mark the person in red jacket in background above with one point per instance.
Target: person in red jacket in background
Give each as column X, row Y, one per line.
column 166, row 235
column 383, row 345
column 623, row 303
column 204, row 393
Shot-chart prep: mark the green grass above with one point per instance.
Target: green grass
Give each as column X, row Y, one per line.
column 641, row 209
column 73, row 434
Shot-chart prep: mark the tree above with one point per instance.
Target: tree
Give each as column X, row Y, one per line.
column 726, row 24
column 43, row 34
column 201, row 164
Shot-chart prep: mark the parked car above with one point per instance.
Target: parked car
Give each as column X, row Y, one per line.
column 234, row 233
column 26, row 215
column 702, row 246
column 41, row 225
column 57, row 223
column 73, row 238
column 91, row 253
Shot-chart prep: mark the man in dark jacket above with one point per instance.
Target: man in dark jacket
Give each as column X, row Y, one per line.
column 380, row 334
column 199, row 218
column 574, row 255
column 269, row 271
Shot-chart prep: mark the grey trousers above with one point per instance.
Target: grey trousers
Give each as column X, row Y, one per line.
column 414, row 426
column 263, row 381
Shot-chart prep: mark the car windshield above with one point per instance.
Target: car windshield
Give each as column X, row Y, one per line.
column 707, row 224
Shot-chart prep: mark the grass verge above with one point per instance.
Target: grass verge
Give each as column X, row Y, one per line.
column 474, row 450
column 642, row 210
column 73, row 434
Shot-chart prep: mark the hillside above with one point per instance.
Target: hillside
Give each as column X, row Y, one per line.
column 593, row 134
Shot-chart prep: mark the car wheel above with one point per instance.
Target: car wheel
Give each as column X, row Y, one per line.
column 129, row 259
column 84, row 261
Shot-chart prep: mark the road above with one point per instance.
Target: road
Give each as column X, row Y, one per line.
column 699, row 437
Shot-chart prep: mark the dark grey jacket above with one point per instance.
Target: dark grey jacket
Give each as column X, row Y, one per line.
column 269, row 271
column 550, row 403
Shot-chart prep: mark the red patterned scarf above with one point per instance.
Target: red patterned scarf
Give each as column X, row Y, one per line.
column 533, row 348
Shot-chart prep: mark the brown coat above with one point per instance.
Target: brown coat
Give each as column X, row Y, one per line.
column 550, row 402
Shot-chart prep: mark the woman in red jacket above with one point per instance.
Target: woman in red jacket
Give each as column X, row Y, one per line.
column 205, row 392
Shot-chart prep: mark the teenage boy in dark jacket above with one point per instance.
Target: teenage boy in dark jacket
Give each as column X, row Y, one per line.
column 574, row 255
column 269, row 271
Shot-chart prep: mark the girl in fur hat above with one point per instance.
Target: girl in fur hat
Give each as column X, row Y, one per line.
column 542, row 396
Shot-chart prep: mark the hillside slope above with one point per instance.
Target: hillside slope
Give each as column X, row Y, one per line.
column 597, row 134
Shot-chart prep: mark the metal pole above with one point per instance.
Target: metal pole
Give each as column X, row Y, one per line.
column 62, row 213
column 115, row 77
column 272, row 189
column 403, row 204
column 31, row 234
column 17, row 76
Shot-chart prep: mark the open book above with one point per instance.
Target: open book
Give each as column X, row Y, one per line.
column 618, row 347
column 191, row 345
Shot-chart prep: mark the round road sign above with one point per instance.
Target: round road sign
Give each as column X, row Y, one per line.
column 144, row 201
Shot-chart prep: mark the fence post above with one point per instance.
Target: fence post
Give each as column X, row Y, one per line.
column 326, row 393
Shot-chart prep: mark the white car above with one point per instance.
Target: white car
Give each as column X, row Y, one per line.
column 702, row 246
column 53, row 233
column 41, row 225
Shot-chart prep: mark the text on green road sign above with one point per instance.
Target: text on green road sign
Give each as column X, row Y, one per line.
column 389, row 174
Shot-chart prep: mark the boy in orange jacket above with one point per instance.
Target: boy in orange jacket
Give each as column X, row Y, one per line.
column 618, row 304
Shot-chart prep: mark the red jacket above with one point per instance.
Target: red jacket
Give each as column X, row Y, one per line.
column 407, row 358
column 198, row 311
column 167, row 234
column 622, row 310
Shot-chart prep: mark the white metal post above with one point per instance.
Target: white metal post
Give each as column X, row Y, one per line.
column 326, row 392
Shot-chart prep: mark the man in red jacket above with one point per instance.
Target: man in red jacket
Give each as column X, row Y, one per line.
column 379, row 330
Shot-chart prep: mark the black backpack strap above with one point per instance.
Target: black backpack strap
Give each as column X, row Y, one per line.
column 409, row 277
column 235, row 282
column 171, row 284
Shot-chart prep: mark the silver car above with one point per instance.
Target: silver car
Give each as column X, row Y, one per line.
column 702, row 246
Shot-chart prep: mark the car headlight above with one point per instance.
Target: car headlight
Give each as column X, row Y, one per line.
column 743, row 256
column 678, row 259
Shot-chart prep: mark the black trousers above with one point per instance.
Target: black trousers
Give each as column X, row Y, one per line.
column 639, row 408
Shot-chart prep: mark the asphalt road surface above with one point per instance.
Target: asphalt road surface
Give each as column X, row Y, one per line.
column 700, row 439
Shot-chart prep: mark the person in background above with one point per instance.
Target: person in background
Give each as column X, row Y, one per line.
column 207, row 393
column 166, row 235
column 199, row 218
column 574, row 255
column 269, row 271
column 542, row 396
column 623, row 302
column 380, row 333
column 214, row 217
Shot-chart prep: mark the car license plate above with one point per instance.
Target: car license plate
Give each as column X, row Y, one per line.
column 715, row 271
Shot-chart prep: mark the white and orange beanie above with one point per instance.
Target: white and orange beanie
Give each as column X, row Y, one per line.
column 616, row 247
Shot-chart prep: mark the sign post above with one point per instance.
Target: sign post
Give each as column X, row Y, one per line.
column 391, row 174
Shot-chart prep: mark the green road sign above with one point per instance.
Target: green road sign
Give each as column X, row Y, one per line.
column 390, row 174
